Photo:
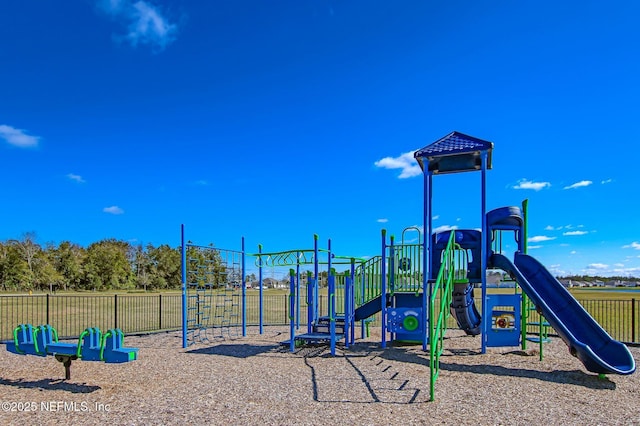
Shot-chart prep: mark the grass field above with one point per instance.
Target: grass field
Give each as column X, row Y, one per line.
column 617, row 310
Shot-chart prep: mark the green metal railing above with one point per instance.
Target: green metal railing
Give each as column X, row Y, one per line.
column 452, row 270
column 368, row 280
column 406, row 268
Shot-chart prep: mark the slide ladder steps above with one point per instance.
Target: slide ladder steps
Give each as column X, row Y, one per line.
column 543, row 334
column 321, row 331
column 323, row 325
column 542, row 324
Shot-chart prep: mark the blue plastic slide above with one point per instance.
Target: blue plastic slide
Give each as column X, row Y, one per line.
column 586, row 339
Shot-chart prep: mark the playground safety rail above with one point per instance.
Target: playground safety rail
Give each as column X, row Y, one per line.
column 441, row 293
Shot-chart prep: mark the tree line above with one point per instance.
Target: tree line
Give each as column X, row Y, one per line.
column 105, row 265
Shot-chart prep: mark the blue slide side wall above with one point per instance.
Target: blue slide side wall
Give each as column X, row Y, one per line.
column 586, row 339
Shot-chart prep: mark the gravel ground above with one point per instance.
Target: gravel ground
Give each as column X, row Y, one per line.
column 253, row 380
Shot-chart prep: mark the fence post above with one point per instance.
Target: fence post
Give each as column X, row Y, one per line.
column 115, row 311
column 47, row 322
column 160, row 311
column 633, row 320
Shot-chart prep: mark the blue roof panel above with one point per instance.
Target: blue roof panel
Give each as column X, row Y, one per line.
column 454, row 143
column 455, row 152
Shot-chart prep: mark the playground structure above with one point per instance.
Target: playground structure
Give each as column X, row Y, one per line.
column 414, row 285
column 213, row 292
column 92, row 345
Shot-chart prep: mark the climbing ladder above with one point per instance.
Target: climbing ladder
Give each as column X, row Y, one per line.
column 213, row 292
column 531, row 317
column 199, row 296
column 199, row 307
column 227, row 309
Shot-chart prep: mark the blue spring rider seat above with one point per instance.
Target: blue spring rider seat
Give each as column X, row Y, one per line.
column 24, row 342
column 92, row 345
column 113, row 350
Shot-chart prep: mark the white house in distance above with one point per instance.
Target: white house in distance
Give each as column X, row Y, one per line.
column 269, row 283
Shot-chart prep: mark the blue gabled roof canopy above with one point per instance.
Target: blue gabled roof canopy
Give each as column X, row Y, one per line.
column 454, row 153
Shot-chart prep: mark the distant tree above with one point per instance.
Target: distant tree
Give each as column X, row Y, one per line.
column 4, row 254
column 108, row 266
column 165, row 267
column 68, row 259
column 28, row 249
column 45, row 274
column 206, row 268
column 141, row 266
column 13, row 268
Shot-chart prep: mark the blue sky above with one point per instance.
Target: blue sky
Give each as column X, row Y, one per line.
column 277, row 120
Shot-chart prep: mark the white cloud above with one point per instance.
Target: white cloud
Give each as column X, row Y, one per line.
column 634, row 245
column 549, row 228
column 382, row 220
column 144, row 21
column 573, row 252
column 534, row 247
column 113, row 210
column 597, row 266
column 404, row 162
column 579, row 184
column 18, row 137
column 604, row 182
column 617, row 269
column 572, row 233
column 557, row 271
column 436, row 217
column 540, row 238
column 527, row 184
column 76, row 178
column 444, row 228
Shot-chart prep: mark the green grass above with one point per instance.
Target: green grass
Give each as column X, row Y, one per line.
column 72, row 312
column 612, row 308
